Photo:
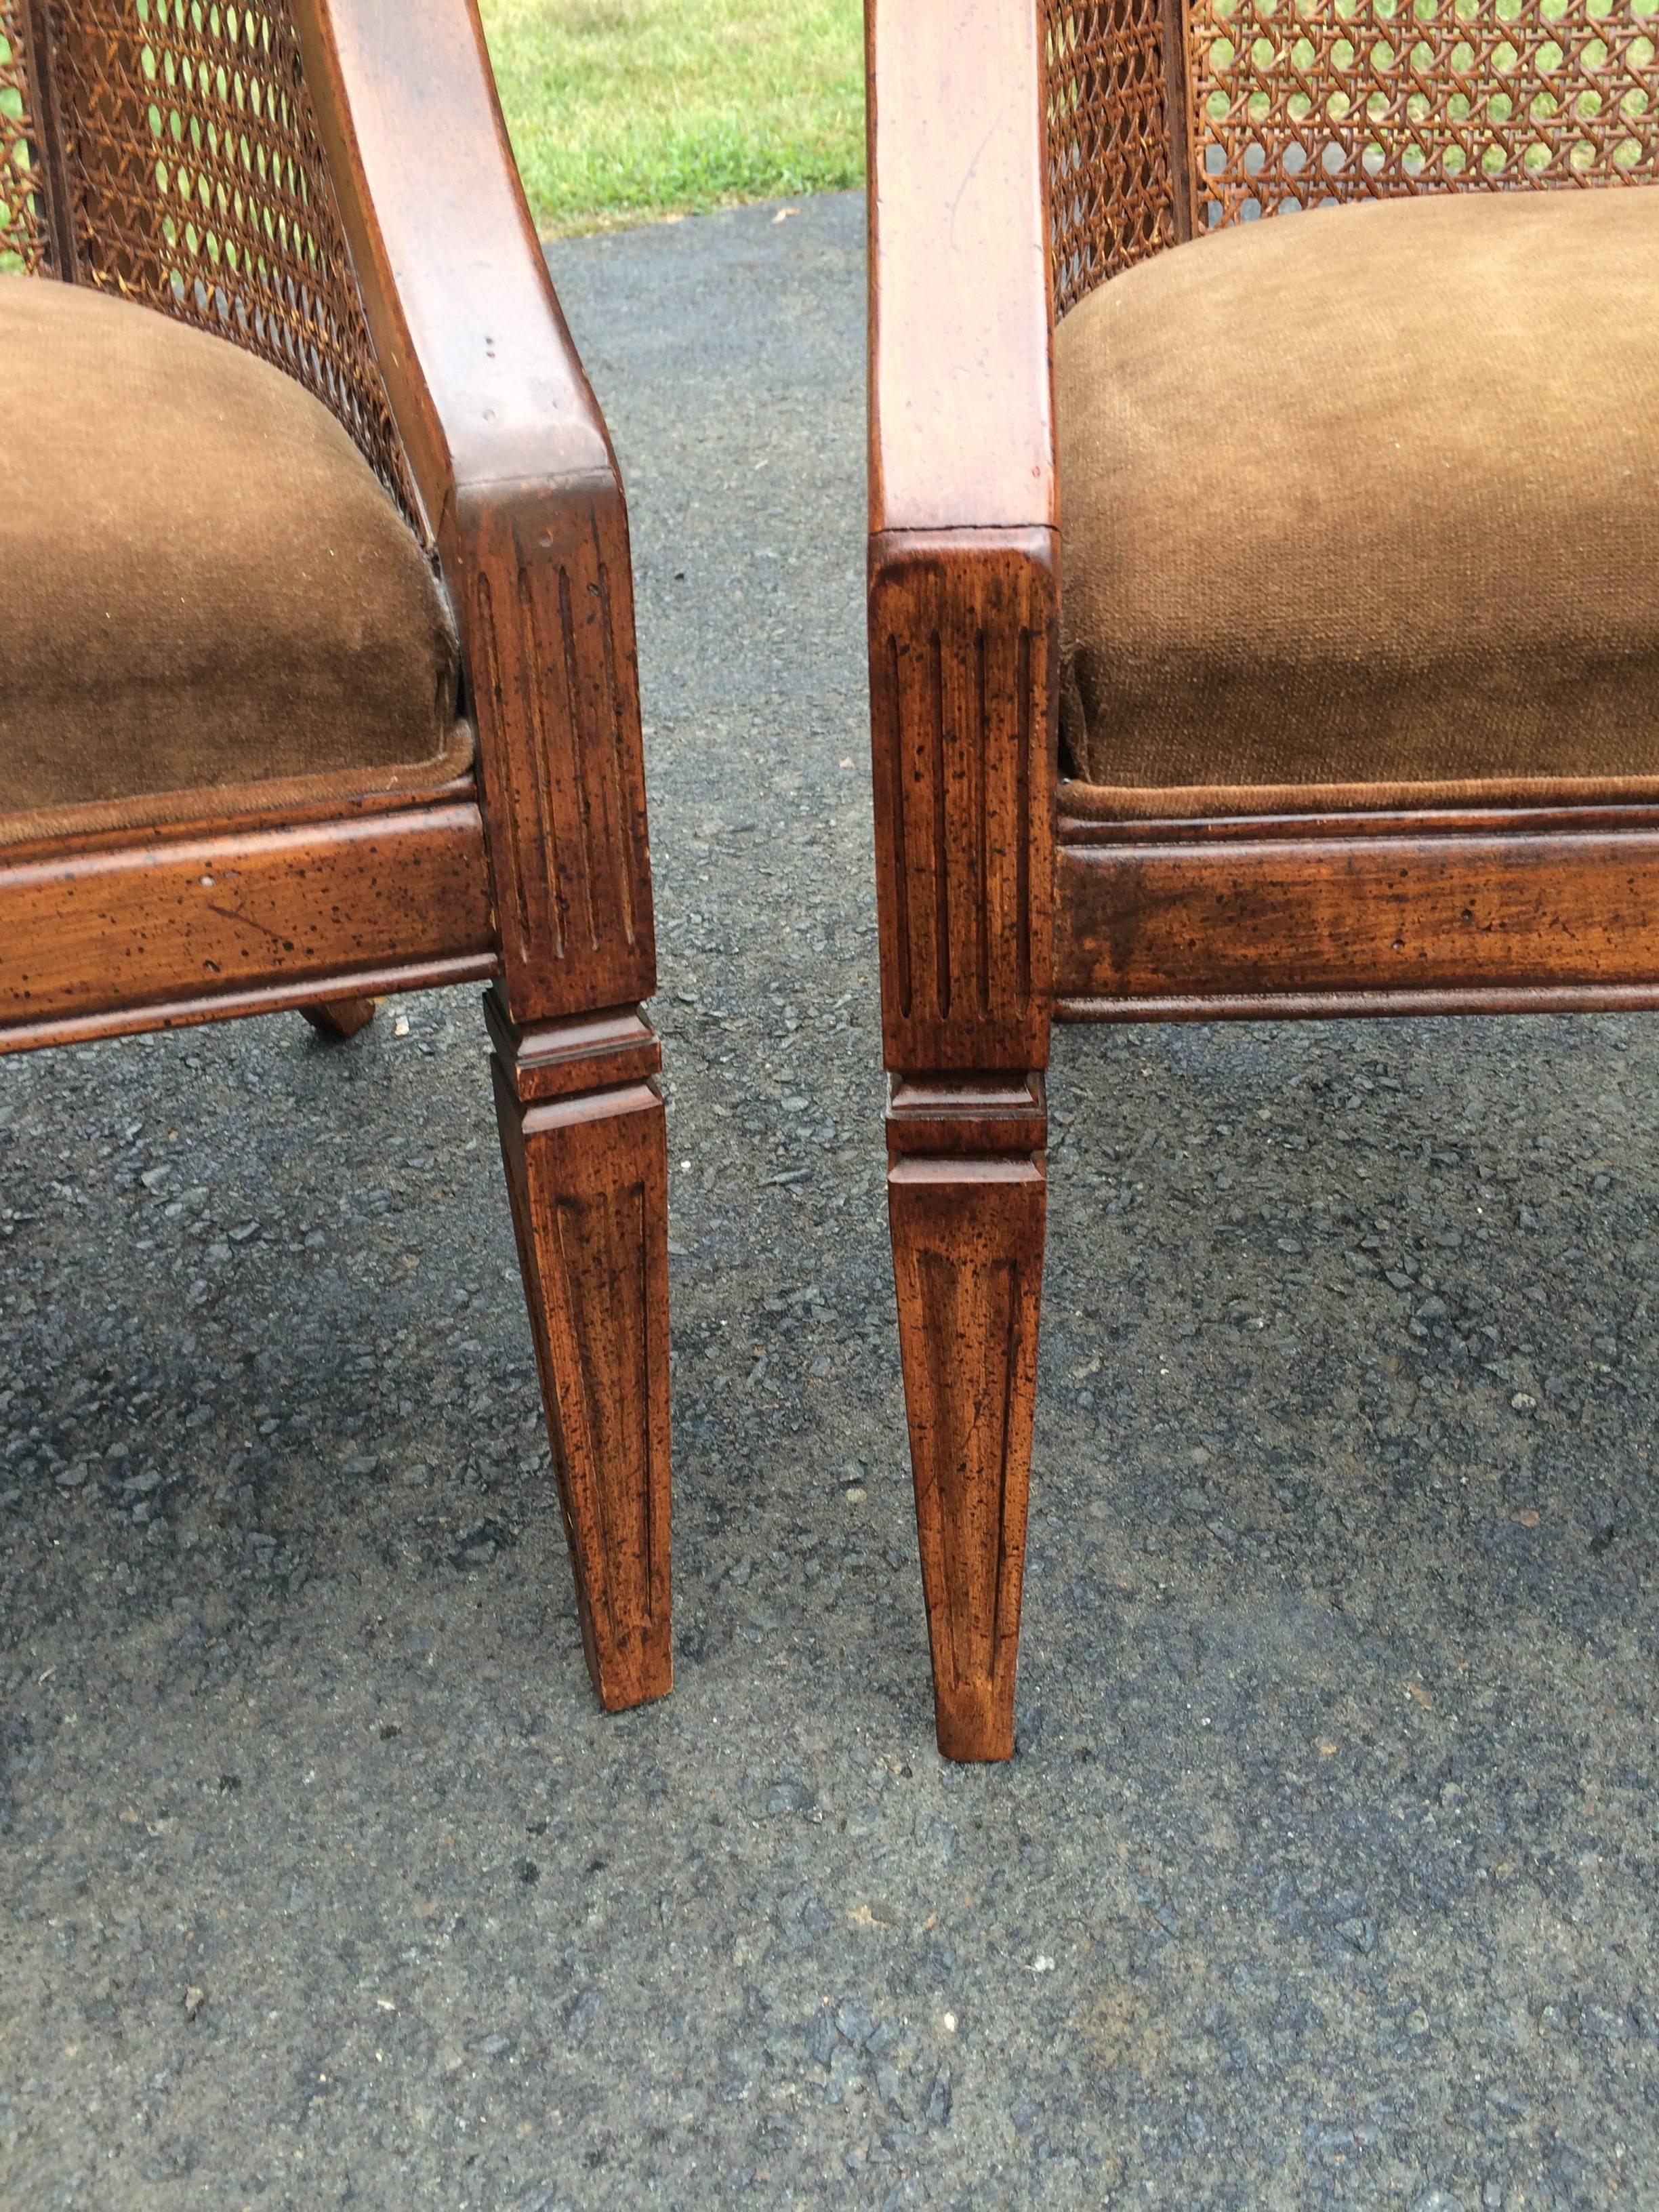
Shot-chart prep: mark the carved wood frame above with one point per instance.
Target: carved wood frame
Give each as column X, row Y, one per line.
column 535, row 871
column 999, row 909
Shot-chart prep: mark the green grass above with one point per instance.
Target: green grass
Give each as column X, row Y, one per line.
column 624, row 110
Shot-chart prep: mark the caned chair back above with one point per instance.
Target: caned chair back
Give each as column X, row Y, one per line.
column 167, row 150
column 1170, row 117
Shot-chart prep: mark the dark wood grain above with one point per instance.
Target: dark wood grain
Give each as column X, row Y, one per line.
column 963, row 717
column 292, row 997
column 1385, row 914
column 1086, row 815
column 549, row 620
column 540, row 874
column 967, row 1234
column 95, row 933
column 340, row 1018
column 47, row 113
column 963, row 581
column 588, row 1176
column 198, row 817
column 1357, row 1005
column 593, row 1052
column 516, row 470
column 484, row 379
column 1002, row 902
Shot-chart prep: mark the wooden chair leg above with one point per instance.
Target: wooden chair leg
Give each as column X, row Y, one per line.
column 967, row 1195
column 585, row 1143
column 341, row 1017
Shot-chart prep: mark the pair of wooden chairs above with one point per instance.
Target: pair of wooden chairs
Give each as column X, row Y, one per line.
column 321, row 682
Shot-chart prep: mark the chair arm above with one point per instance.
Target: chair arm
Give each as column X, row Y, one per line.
column 963, row 549
column 961, row 385
column 511, row 460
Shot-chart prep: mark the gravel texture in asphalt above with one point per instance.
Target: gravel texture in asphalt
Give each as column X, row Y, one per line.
column 1325, row 1872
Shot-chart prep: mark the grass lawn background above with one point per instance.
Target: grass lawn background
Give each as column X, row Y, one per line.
column 624, row 110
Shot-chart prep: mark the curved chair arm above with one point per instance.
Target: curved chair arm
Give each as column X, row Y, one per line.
column 511, row 457
column 962, row 523
column 960, row 407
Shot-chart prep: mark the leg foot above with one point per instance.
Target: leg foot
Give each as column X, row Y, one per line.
column 966, row 1200
column 341, row 1017
column 585, row 1143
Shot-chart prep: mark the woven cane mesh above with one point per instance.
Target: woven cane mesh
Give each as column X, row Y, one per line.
column 1299, row 101
column 199, row 187
column 1111, row 195
column 22, row 228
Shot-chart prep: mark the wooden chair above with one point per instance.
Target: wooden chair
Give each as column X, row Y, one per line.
column 275, row 734
column 1357, row 666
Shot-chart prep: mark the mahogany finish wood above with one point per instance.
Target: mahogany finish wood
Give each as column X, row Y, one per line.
column 994, row 917
column 595, row 1052
column 963, row 718
column 963, row 634
column 549, row 620
column 61, row 844
column 1378, row 914
column 514, row 466
column 536, row 872
column 1075, row 828
column 340, row 1018
column 1357, row 1005
column 292, row 997
column 966, row 1199
column 94, row 932
column 588, row 1176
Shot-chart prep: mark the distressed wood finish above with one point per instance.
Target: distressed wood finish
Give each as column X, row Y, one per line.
column 323, row 811
column 1592, row 813
column 1385, row 915
column 550, row 629
column 588, row 1173
column 469, row 398
column 962, row 713
column 514, row 466
column 239, row 1004
column 967, row 1209
column 964, row 588
column 1533, row 907
column 340, row 1018
column 98, row 932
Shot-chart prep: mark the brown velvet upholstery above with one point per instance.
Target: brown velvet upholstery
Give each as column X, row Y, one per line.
column 204, row 584
column 1361, row 507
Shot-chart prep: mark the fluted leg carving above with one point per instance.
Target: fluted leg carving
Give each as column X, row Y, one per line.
column 583, row 1139
column 966, row 1192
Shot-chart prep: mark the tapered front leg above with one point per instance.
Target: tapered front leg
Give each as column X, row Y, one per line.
column 961, row 650
column 585, row 1142
column 966, row 1197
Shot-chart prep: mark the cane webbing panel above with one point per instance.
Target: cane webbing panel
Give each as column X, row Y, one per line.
column 1298, row 102
column 1301, row 102
column 199, row 187
column 1111, row 196
column 23, row 247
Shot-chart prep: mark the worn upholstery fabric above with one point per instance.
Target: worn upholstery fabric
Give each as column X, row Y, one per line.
column 203, row 582
column 1362, row 507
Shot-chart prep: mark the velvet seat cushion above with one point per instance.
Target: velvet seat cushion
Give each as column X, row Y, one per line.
column 1361, row 505
column 203, row 583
